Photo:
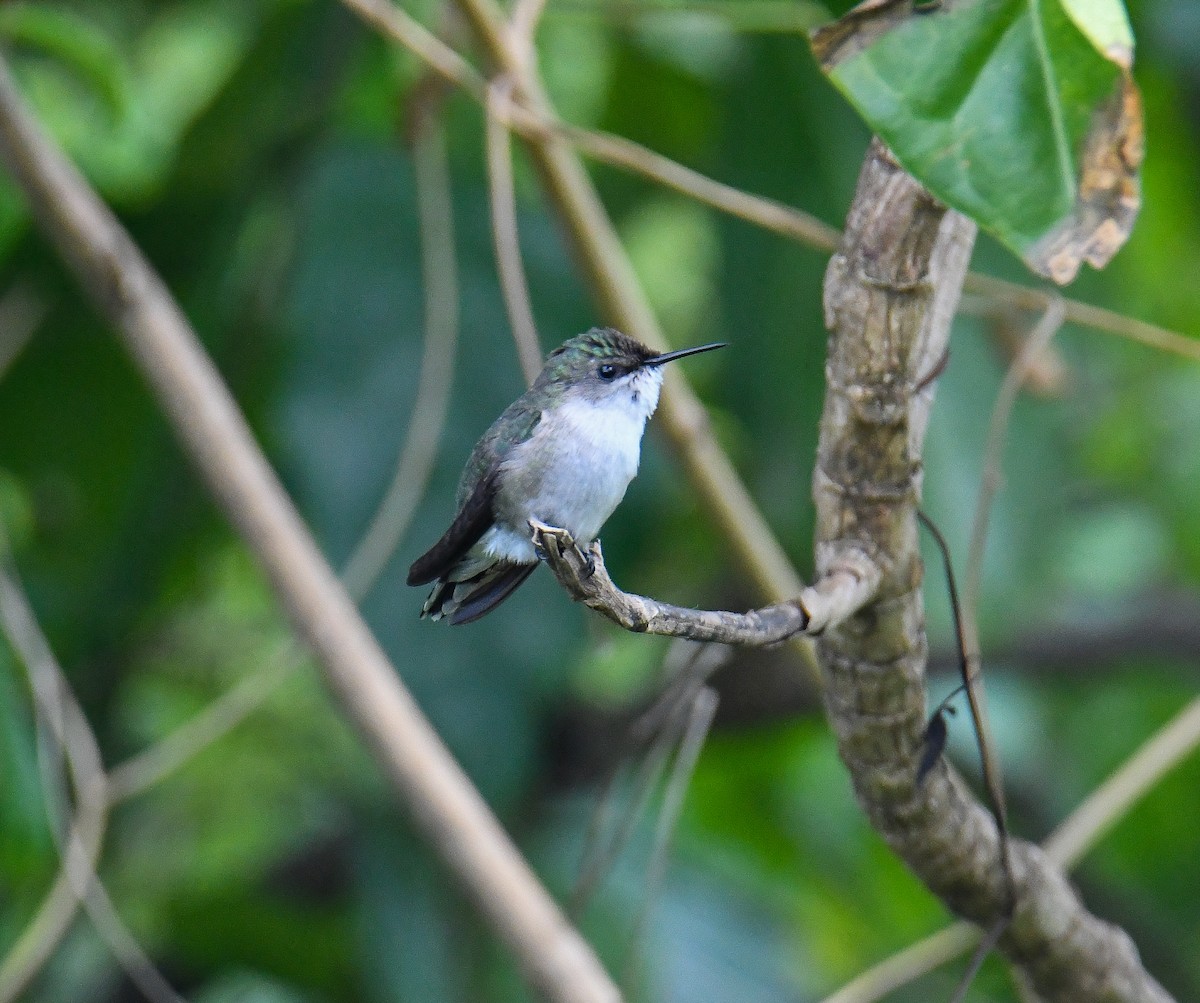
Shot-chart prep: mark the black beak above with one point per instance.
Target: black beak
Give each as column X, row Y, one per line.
column 658, row 360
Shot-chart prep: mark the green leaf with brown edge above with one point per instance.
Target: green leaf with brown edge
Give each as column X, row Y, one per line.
column 1019, row 113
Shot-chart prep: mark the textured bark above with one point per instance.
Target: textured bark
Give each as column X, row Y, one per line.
column 890, row 295
column 831, row 599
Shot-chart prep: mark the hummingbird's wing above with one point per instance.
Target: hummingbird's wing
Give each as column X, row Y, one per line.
column 475, row 515
column 473, row 520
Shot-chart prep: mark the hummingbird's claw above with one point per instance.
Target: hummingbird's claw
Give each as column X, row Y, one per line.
column 589, row 564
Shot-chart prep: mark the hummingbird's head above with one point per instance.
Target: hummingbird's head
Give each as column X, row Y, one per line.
column 605, row 365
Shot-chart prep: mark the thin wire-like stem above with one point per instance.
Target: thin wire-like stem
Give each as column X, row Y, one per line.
column 138, row 965
column 656, row 731
column 152, row 765
column 64, row 734
column 697, row 723
column 1085, row 314
column 62, row 720
column 392, row 22
column 1037, row 341
column 1108, row 803
column 908, row 965
column 605, row 840
column 506, row 237
column 526, row 16
column 439, row 275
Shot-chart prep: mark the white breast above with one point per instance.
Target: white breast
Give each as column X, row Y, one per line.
column 572, row 472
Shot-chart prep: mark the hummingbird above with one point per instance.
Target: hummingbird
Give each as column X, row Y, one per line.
column 562, row 453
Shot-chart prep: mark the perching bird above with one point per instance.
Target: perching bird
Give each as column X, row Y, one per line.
column 562, row 453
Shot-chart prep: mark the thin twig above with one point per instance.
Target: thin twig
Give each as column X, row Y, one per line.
column 394, row 23
column 1085, row 314
column 607, row 835
column 506, row 237
column 1037, row 341
column 687, row 668
column 394, row 514
column 836, row 596
column 700, row 711
column 908, row 965
column 140, row 772
column 427, row 421
column 444, row 805
column 1109, row 802
column 785, row 220
column 63, row 719
column 526, row 16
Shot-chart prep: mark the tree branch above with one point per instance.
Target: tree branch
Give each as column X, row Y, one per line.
column 890, row 294
column 586, row 579
column 838, row 595
column 445, row 806
column 618, row 151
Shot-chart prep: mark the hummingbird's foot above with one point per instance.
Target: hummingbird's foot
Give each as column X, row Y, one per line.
column 572, row 564
column 548, row 541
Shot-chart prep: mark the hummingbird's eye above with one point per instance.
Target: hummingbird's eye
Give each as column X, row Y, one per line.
column 608, row 372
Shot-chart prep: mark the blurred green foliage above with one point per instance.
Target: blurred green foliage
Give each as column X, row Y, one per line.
column 991, row 106
column 254, row 151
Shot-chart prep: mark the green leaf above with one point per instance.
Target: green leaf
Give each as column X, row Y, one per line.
column 1012, row 111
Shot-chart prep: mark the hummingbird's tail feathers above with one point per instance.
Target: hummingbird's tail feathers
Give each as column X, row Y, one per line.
column 487, row 596
column 473, row 520
column 468, row 600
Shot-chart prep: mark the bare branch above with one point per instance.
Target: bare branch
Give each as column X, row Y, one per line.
column 505, row 237
column 60, row 715
column 537, row 125
column 1066, row 846
column 586, row 580
column 908, row 965
column 1037, row 342
column 889, row 298
column 63, row 718
column 445, row 806
column 526, row 15
column 140, row 772
column 849, row 584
